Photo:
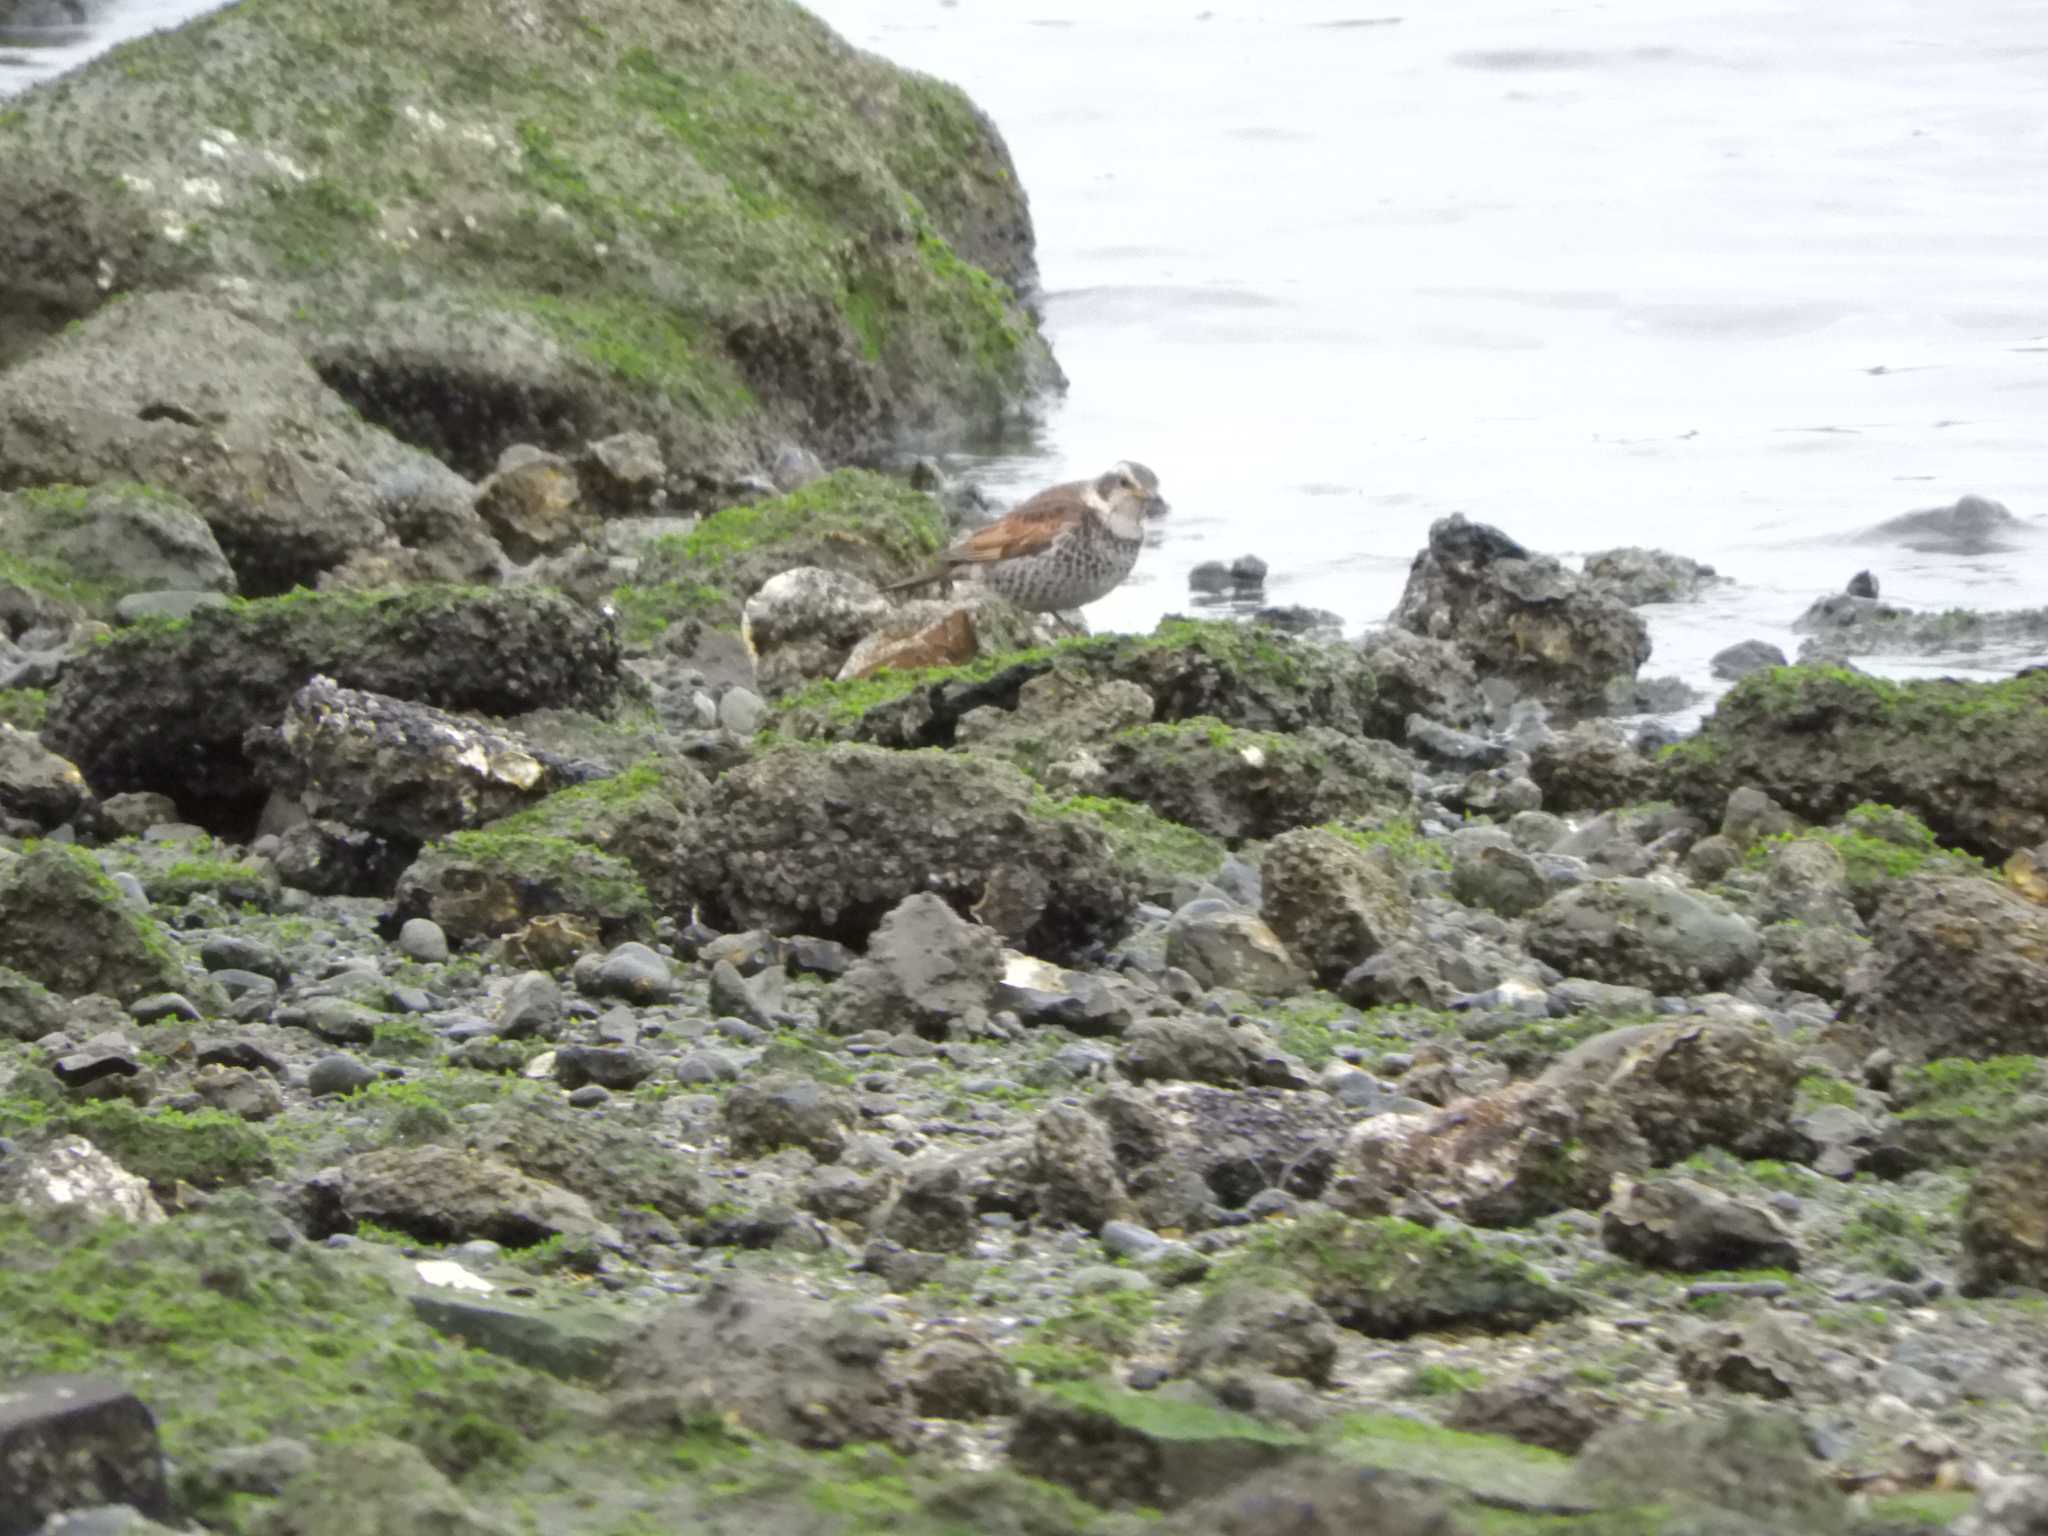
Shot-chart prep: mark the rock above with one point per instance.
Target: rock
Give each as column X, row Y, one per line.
column 490, row 882
column 1494, row 874
column 2010, row 1506
column 35, row 783
column 1075, row 1170
column 533, row 504
column 1332, row 903
column 1620, row 1103
column 1185, row 1151
column 1681, row 1225
column 1839, row 627
column 1122, row 1449
column 933, row 1211
column 610, row 1162
column 167, row 709
column 618, row 1068
column 398, row 769
column 175, row 390
column 1415, row 676
column 1974, row 525
column 1055, row 712
column 1643, row 933
column 421, row 939
column 574, row 1343
column 245, row 1095
column 803, row 623
column 623, row 474
column 1969, row 759
column 1957, row 966
column 636, row 973
column 1592, row 766
column 1317, row 1496
column 927, row 969
column 1862, row 584
column 1754, row 1352
column 1236, row 784
column 326, row 858
column 942, row 632
column 1232, row 949
column 783, row 1110
column 1546, row 1411
column 1196, row 1049
column 64, row 924
column 28, row 1009
column 532, row 1007
column 1392, row 1279
column 116, row 540
column 71, row 1175
column 439, row 1194
column 960, row 1375
column 375, row 1485
column 1806, row 881
column 72, row 1442
column 827, row 842
column 1817, row 960
column 1520, row 616
column 1737, row 661
column 1255, row 1327
column 755, row 999
column 1637, row 576
column 2005, row 1219
column 776, row 1362
column 1746, row 1470
column 484, row 347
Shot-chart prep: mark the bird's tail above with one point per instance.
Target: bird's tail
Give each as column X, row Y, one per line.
column 928, row 579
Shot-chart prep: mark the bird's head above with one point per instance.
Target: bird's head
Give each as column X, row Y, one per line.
column 1129, row 494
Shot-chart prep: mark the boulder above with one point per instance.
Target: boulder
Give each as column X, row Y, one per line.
column 533, row 504
column 177, row 391
column 1957, row 966
column 1417, row 677
column 1591, row 767
column 2005, row 1219
column 763, row 1355
column 1734, row 662
column 827, row 842
column 1235, row 784
column 441, row 1194
column 114, row 539
column 64, row 924
column 166, row 707
column 36, row 784
column 1969, row 759
column 1256, row 1327
column 1972, row 525
column 1224, row 948
column 374, row 1484
column 1333, row 903
column 786, row 1110
column 1519, row 616
column 839, row 249
column 76, row 1442
column 400, row 769
column 927, row 969
column 488, row 882
column 1682, row 1225
column 1055, row 713
column 1643, row 933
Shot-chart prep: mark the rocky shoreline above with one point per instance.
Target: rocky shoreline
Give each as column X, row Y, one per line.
column 535, row 998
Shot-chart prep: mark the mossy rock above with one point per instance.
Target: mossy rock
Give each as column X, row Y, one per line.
column 167, row 705
column 1243, row 675
column 488, row 881
column 722, row 225
column 1158, row 854
column 64, row 924
column 94, row 545
column 1878, row 844
column 1391, row 1278
column 641, row 816
column 852, row 521
column 1237, row 784
column 204, row 1148
column 24, row 708
column 1970, row 760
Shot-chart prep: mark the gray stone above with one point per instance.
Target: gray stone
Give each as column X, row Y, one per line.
column 1681, row 1225
column 1232, row 949
column 1643, row 933
column 619, row 1068
column 35, row 783
column 783, row 1110
column 421, row 939
column 339, row 1074
column 636, row 973
column 532, row 1008
column 1256, row 1327
column 1737, row 661
column 927, row 969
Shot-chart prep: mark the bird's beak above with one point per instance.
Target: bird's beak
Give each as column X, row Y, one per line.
column 1157, row 505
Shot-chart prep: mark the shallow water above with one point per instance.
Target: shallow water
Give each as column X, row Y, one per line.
column 1738, row 280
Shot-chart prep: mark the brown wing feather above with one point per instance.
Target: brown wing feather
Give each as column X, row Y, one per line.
column 1025, row 530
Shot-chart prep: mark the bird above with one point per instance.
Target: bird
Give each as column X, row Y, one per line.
column 1063, row 548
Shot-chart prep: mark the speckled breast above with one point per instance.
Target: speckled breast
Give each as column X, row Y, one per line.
column 1069, row 573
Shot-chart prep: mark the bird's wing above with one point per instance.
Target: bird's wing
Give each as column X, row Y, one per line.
column 1031, row 527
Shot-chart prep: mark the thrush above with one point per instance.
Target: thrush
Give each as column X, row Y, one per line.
column 1063, row 548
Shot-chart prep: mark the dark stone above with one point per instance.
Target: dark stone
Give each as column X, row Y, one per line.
column 71, row 1442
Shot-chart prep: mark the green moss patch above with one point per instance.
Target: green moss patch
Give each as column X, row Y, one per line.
column 24, row 708
column 1391, row 1278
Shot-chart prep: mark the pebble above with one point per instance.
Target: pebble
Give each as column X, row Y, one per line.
column 741, row 711
column 589, row 1096
column 1128, row 1240
column 636, row 973
column 339, row 1073
column 159, row 1006
column 707, row 1067
column 421, row 939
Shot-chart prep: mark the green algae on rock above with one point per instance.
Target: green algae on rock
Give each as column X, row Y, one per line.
column 66, row 925
column 722, row 225
column 1969, row 759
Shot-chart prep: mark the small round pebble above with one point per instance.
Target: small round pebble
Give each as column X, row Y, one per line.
column 421, row 939
column 589, row 1096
